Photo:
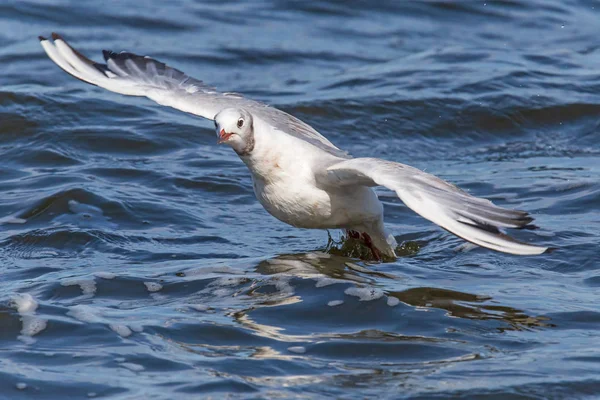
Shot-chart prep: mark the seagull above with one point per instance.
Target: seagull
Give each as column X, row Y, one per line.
column 298, row 175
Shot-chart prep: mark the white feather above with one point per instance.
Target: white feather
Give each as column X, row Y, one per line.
column 473, row 219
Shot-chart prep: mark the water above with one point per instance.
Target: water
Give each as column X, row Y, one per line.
column 136, row 262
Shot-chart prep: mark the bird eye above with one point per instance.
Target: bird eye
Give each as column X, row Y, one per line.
column 240, row 123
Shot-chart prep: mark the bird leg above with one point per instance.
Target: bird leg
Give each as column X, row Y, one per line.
column 353, row 234
column 369, row 243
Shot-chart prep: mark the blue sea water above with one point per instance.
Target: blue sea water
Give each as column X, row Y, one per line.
column 136, row 263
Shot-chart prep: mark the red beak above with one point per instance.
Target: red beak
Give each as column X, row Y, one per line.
column 223, row 136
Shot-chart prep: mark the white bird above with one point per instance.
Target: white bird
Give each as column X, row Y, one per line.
column 298, row 175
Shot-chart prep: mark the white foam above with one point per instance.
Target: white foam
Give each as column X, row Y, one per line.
column 32, row 324
column 364, row 293
column 87, row 286
column 25, row 303
column 132, row 366
column 297, row 349
column 104, row 275
column 392, row 301
column 153, row 286
column 121, row 329
column 84, row 313
column 334, row 303
column 21, row 385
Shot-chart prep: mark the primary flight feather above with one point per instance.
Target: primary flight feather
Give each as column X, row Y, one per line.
column 298, row 175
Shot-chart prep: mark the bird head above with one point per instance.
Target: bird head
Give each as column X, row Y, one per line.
column 235, row 127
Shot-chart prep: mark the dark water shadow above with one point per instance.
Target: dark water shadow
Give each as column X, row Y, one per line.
column 286, row 286
column 471, row 306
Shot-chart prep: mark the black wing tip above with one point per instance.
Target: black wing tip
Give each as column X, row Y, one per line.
column 522, row 220
column 525, row 222
column 41, row 38
column 108, row 54
column 480, row 225
column 56, row 36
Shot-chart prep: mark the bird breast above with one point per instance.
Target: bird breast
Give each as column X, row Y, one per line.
column 307, row 206
column 283, row 174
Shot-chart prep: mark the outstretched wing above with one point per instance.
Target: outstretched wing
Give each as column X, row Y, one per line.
column 134, row 75
column 474, row 219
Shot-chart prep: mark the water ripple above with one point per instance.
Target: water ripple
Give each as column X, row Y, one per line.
column 133, row 247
